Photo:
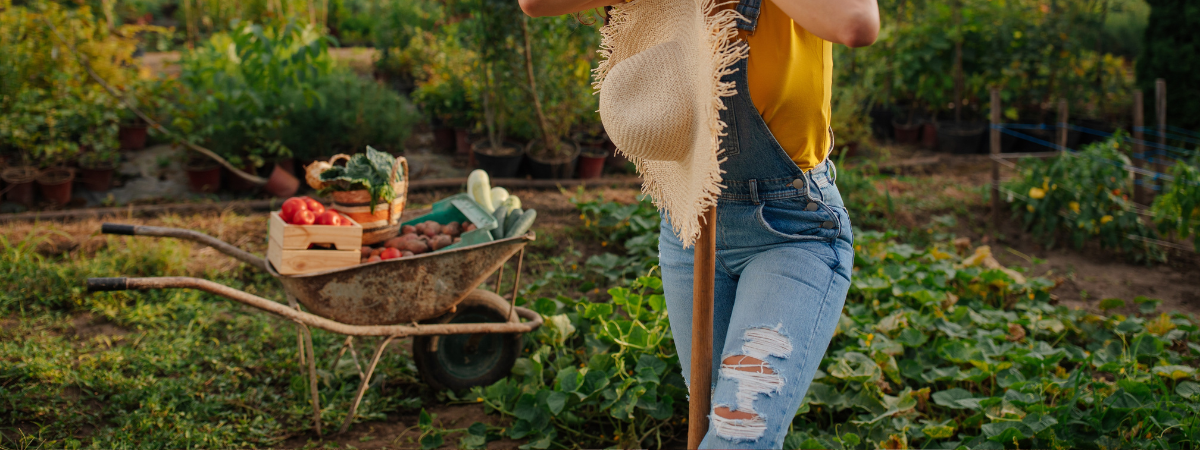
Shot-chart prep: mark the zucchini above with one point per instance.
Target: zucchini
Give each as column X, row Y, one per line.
column 479, row 189
column 499, row 214
column 513, row 215
column 523, row 224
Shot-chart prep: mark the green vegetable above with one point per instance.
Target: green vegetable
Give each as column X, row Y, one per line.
column 499, row 214
column 514, row 201
column 479, row 189
column 513, row 215
column 523, row 224
column 371, row 171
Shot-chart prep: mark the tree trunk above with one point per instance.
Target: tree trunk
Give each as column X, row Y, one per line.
column 551, row 141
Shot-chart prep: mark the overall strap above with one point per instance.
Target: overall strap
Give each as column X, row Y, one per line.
column 749, row 9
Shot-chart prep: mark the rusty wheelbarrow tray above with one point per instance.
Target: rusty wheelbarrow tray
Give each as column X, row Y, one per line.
column 385, row 299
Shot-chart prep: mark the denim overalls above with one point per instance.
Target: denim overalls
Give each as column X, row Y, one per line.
column 784, row 258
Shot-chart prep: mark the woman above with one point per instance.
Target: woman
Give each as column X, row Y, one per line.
column 784, row 244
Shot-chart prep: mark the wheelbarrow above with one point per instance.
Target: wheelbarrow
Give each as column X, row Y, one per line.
column 433, row 297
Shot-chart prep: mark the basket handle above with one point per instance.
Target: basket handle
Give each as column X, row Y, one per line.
column 337, row 157
column 402, row 161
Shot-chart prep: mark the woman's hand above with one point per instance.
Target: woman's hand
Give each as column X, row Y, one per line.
column 543, row 8
column 853, row 23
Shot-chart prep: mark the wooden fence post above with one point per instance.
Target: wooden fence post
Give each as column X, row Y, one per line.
column 995, row 159
column 1063, row 115
column 1139, row 121
column 703, row 286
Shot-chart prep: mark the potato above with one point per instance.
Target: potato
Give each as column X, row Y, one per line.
column 456, row 240
column 374, row 258
column 405, row 253
column 469, row 227
column 408, row 229
column 376, row 252
column 440, row 242
column 366, row 252
column 417, row 246
column 452, row 229
column 395, row 242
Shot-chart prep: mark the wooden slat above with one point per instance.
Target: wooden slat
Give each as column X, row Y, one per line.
column 294, row 262
column 298, row 237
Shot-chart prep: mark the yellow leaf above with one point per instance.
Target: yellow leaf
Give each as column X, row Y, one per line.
column 1160, row 325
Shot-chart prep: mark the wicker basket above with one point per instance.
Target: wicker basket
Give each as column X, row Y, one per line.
column 384, row 222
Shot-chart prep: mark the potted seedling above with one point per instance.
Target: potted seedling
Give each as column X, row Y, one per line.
column 96, row 168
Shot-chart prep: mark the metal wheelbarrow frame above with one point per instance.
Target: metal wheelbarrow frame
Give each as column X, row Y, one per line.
column 385, row 299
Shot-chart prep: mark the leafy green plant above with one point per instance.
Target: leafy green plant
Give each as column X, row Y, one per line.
column 371, row 171
column 1083, row 196
column 353, row 114
column 245, row 79
column 1177, row 209
column 601, row 373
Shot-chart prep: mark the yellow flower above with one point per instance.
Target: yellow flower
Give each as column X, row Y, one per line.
column 1037, row 193
column 1074, row 206
column 1029, row 207
column 479, row 399
column 604, row 244
column 1105, row 219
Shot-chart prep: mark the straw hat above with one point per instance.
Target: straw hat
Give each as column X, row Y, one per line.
column 660, row 96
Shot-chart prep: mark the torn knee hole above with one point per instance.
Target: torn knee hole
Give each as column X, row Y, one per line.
column 747, row 364
column 735, row 415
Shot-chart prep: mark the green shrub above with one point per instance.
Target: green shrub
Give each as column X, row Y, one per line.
column 351, row 113
column 1084, row 197
column 1172, row 53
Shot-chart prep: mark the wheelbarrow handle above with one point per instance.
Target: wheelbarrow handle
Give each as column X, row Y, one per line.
column 120, row 284
column 107, row 284
column 185, row 234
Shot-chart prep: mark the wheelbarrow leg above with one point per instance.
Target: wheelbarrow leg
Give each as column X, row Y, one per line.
column 366, row 381
column 306, row 349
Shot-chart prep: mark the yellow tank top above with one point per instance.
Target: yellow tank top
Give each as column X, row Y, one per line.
column 791, row 80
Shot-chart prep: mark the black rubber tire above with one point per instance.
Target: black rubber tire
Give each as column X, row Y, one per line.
column 444, row 362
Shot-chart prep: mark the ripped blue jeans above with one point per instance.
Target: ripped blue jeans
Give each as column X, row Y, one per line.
column 784, row 258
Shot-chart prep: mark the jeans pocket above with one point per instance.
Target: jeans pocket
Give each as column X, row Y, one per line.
column 794, row 219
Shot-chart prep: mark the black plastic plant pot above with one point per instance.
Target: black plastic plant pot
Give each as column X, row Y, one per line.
column 498, row 163
column 961, row 137
column 552, row 169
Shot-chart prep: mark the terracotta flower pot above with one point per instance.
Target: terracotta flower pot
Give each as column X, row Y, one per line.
column 906, row 133
column 239, row 184
column 204, row 178
column 55, row 185
column 133, row 137
column 282, row 183
column 591, row 162
column 462, row 143
column 444, row 139
column 929, row 135
column 20, row 184
column 96, row 179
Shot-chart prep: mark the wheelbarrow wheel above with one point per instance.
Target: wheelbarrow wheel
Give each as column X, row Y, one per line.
column 461, row 361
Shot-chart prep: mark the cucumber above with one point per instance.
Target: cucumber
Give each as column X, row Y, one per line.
column 500, row 215
column 513, row 215
column 523, row 224
column 479, row 189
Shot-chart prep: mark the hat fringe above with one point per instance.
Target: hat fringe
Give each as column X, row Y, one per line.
column 721, row 27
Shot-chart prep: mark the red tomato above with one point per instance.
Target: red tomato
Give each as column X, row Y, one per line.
column 314, row 206
column 304, row 217
column 346, row 221
column 389, row 253
column 290, row 207
column 330, row 218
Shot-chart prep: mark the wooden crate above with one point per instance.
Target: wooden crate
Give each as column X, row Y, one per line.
column 288, row 246
column 298, row 237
